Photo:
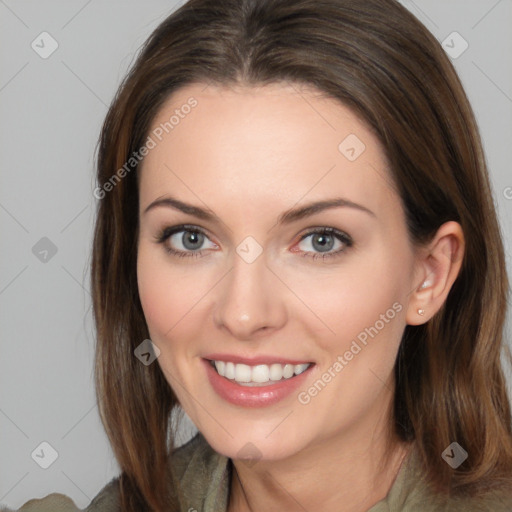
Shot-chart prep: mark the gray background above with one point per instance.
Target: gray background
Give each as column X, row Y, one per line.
column 51, row 111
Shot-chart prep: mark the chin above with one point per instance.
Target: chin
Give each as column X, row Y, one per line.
column 256, row 443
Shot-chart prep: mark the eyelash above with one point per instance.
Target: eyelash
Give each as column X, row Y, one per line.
column 167, row 232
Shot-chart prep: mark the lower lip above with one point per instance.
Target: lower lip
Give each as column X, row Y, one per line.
column 253, row 396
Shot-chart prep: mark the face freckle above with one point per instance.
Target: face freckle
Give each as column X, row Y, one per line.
column 263, row 285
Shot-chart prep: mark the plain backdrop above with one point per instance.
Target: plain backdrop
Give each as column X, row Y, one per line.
column 51, row 111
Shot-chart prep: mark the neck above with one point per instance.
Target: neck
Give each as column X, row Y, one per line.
column 353, row 469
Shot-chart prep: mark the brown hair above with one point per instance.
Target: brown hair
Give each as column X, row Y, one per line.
column 379, row 60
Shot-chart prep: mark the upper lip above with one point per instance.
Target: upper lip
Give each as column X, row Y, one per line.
column 254, row 361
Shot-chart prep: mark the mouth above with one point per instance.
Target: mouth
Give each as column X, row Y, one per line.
column 258, row 375
column 262, row 383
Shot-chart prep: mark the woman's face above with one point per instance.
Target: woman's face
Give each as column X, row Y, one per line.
column 262, row 284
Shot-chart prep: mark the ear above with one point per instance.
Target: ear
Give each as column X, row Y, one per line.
column 437, row 266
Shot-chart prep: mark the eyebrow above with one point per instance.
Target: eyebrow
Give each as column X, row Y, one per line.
column 289, row 216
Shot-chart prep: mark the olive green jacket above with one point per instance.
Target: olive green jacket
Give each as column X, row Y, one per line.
column 205, row 477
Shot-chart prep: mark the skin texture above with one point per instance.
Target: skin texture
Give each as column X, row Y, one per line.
column 248, row 154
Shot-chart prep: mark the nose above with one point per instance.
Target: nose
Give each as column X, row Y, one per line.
column 250, row 300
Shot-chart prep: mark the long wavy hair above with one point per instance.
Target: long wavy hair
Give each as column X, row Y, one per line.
column 376, row 58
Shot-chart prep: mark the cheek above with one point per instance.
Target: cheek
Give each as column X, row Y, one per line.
column 345, row 301
column 165, row 306
column 162, row 302
column 363, row 308
column 171, row 294
column 153, row 293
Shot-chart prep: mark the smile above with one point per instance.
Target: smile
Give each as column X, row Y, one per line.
column 260, row 374
column 257, row 385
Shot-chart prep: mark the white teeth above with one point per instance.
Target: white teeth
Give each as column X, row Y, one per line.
column 299, row 368
column 221, row 367
column 242, row 373
column 230, row 371
column 288, row 371
column 259, row 374
column 276, row 372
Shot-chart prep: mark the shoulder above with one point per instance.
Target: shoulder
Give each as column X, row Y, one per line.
column 418, row 495
column 107, row 500
column 497, row 501
column 412, row 493
column 52, row 503
column 194, row 461
column 491, row 502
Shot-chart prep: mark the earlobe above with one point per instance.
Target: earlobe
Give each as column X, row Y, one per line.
column 438, row 265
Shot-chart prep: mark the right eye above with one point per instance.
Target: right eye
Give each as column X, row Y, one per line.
column 184, row 240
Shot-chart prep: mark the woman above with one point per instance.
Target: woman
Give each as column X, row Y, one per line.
column 296, row 243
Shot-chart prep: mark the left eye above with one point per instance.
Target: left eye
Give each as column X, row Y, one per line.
column 324, row 242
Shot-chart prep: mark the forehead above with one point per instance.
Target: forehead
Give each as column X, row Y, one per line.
column 273, row 144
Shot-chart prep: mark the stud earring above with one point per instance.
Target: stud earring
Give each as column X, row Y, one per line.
column 421, row 312
column 425, row 285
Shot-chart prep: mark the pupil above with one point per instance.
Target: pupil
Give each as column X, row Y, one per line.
column 191, row 239
column 324, row 244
